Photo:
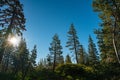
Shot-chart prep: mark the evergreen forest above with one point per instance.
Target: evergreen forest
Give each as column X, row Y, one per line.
column 17, row 62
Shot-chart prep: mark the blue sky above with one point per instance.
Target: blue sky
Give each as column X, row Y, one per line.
column 44, row 18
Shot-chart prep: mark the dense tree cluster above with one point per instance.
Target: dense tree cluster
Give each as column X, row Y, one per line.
column 18, row 63
column 109, row 33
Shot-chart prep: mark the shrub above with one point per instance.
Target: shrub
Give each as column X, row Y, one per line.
column 74, row 72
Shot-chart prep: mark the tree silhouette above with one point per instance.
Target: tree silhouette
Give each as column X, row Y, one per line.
column 93, row 53
column 55, row 51
column 73, row 42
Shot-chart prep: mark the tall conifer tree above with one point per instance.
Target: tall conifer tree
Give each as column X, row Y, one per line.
column 93, row 53
column 55, row 51
column 73, row 42
column 109, row 33
column 24, row 61
column 12, row 21
column 82, row 55
column 12, row 18
column 33, row 56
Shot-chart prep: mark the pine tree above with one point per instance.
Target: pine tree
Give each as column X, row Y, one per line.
column 24, row 62
column 2, row 50
column 73, row 42
column 12, row 21
column 49, row 61
column 93, row 53
column 68, row 59
column 109, row 33
column 61, row 59
column 7, row 59
column 82, row 55
column 55, row 51
column 12, row 18
column 33, row 56
column 43, row 64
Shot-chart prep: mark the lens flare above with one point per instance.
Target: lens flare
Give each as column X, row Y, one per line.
column 13, row 41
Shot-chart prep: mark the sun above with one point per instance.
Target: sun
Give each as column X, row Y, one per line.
column 13, row 41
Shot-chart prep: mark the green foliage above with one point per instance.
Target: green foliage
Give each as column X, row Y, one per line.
column 1, row 51
column 107, row 71
column 46, row 74
column 55, row 52
column 33, row 56
column 18, row 64
column 12, row 22
column 74, row 71
column 93, row 53
column 21, row 60
column 12, row 18
column 7, row 76
column 49, row 61
column 82, row 55
column 108, row 35
column 43, row 63
column 68, row 59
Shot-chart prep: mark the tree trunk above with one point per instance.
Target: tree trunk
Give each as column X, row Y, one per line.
column 114, row 43
column 54, row 63
column 115, row 48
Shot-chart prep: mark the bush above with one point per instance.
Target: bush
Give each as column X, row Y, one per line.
column 108, row 72
column 7, row 76
column 75, row 72
column 46, row 74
